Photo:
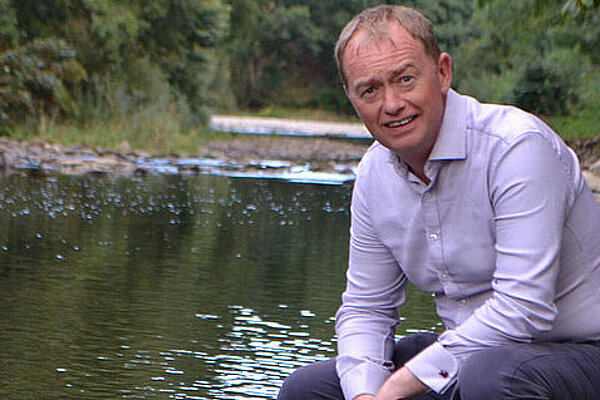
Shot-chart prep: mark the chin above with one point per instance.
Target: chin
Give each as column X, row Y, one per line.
column 402, row 145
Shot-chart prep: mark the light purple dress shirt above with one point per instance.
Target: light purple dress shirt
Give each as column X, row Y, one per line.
column 506, row 236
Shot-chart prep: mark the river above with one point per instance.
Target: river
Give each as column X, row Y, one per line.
column 170, row 287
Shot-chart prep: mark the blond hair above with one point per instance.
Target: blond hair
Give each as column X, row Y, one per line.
column 374, row 22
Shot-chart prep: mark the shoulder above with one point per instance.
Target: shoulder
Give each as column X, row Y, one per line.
column 505, row 126
column 519, row 145
column 376, row 158
column 503, row 122
column 376, row 170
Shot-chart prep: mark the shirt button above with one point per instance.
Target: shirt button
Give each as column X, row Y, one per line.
column 433, row 236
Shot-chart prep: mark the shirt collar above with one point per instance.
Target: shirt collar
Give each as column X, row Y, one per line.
column 451, row 141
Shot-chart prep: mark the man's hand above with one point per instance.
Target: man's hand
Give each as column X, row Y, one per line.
column 401, row 385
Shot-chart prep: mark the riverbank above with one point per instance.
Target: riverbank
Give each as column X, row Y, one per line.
column 319, row 160
column 243, row 155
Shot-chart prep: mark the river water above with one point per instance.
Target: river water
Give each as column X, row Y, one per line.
column 170, row 287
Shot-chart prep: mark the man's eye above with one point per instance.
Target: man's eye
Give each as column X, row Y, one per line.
column 406, row 79
column 368, row 92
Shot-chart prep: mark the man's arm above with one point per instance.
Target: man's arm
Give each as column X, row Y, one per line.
column 366, row 321
column 530, row 192
column 401, row 385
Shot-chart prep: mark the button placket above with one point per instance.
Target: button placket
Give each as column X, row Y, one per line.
column 433, row 234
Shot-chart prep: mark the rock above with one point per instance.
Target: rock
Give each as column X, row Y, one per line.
column 125, row 147
column 288, row 148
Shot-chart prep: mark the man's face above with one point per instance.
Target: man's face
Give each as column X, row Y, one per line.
column 398, row 91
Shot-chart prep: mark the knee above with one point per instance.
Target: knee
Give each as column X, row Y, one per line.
column 487, row 374
column 409, row 346
column 295, row 385
column 314, row 381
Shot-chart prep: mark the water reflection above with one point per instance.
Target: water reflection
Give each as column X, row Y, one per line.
column 169, row 287
column 250, row 359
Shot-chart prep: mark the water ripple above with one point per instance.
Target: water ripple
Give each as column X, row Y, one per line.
column 251, row 360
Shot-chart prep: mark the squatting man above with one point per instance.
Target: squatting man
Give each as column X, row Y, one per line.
column 481, row 205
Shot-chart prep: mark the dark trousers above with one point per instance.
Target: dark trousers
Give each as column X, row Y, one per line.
column 557, row 371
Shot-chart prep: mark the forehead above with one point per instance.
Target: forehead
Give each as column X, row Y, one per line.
column 367, row 51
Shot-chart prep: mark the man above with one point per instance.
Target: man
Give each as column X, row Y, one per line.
column 483, row 206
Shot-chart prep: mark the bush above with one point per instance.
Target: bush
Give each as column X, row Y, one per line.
column 332, row 99
column 35, row 79
column 584, row 120
column 551, row 86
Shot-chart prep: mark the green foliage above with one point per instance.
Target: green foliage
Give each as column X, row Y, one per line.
column 139, row 56
column 332, row 99
column 90, row 61
column 34, row 82
column 8, row 25
column 530, row 53
column 185, row 38
column 577, row 7
column 585, row 119
column 550, row 86
column 269, row 43
column 111, row 30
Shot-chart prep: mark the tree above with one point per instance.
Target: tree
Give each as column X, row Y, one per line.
column 269, row 42
column 138, row 55
column 185, row 38
column 8, row 25
column 530, row 53
column 578, row 7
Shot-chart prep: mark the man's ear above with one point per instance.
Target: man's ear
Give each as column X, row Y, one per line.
column 346, row 90
column 444, row 66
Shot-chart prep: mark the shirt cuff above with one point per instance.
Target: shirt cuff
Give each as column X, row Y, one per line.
column 435, row 367
column 365, row 378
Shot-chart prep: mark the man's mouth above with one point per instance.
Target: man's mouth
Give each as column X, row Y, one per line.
column 402, row 122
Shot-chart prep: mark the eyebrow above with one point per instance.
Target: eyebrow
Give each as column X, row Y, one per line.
column 400, row 70
column 369, row 81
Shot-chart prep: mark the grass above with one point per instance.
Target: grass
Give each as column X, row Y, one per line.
column 585, row 121
column 157, row 135
column 586, row 125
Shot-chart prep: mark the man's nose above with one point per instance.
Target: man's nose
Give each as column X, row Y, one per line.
column 393, row 101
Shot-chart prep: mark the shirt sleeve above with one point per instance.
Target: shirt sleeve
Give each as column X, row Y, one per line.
column 530, row 191
column 366, row 321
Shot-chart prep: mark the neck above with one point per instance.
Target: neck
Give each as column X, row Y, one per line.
column 419, row 173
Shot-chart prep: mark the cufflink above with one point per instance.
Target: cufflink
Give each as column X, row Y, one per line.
column 443, row 374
